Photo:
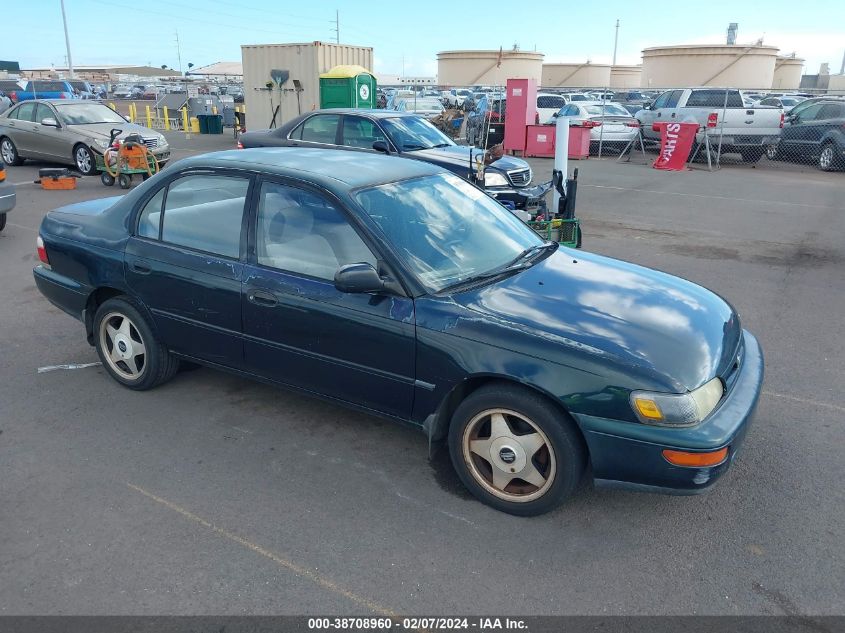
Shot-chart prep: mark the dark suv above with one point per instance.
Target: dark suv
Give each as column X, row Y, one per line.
column 817, row 132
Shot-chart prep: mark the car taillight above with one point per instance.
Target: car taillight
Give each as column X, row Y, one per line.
column 13, row 96
column 632, row 124
column 713, row 119
column 42, row 251
column 781, row 119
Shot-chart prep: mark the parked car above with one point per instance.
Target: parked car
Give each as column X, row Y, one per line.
column 784, row 103
column 69, row 132
column 5, row 102
column 124, row 92
column 797, row 109
column 395, row 287
column 83, row 89
column 11, row 88
column 428, row 107
column 816, row 133
column 610, row 123
column 401, row 134
column 46, row 89
column 720, row 112
column 7, row 196
column 456, row 96
column 548, row 105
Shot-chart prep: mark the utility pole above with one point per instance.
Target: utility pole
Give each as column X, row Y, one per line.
column 336, row 28
column 67, row 41
column 842, row 67
column 615, row 42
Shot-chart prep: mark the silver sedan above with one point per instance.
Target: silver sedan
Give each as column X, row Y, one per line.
column 610, row 122
column 69, row 132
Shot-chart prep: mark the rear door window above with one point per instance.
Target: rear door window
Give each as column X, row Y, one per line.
column 25, row 112
column 830, row 111
column 321, row 128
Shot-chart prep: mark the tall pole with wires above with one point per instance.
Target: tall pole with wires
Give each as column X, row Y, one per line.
column 67, row 41
column 336, row 28
column 615, row 42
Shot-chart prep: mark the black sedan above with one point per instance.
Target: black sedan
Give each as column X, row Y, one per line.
column 398, row 288
column 817, row 133
column 403, row 134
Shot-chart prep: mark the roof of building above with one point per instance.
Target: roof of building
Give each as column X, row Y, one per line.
column 219, row 68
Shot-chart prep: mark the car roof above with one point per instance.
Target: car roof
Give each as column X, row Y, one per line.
column 338, row 170
column 376, row 114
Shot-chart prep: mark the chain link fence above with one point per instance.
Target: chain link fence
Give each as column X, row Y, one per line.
column 750, row 128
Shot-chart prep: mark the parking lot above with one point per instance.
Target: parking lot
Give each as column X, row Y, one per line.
column 217, row 495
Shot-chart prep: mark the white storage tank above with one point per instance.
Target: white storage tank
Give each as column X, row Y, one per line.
column 584, row 75
column 487, row 68
column 788, row 71
column 737, row 66
column 305, row 63
column 625, row 76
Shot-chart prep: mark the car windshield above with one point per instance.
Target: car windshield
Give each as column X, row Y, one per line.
column 446, row 230
column 410, row 133
column 423, row 104
column 87, row 113
column 579, row 98
column 608, row 109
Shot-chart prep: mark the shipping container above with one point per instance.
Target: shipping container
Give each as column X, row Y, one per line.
column 304, row 63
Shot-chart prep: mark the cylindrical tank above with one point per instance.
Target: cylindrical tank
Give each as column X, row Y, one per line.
column 584, row 75
column 494, row 68
column 787, row 73
column 735, row 66
column 625, row 76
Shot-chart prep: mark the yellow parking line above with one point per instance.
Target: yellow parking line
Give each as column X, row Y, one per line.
column 318, row 579
column 824, row 405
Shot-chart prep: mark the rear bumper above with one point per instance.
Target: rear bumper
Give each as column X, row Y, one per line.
column 629, row 455
column 63, row 292
column 8, row 197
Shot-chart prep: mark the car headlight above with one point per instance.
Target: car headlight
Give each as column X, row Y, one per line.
column 494, row 179
column 101, row 143
column 162, row 141
column 677, row 409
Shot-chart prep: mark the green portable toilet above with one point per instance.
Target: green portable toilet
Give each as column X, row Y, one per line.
column 348, row 87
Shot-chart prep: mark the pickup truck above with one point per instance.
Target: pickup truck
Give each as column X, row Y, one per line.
column 47, row 89
column 745, row 130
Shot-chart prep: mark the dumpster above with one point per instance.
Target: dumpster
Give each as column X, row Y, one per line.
column 214, row 123
column 348, row 87
column 579, row 141
column 203, row 121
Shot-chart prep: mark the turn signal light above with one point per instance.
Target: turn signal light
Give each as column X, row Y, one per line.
column 694, row 460
column 781, row 119
column 42, row 251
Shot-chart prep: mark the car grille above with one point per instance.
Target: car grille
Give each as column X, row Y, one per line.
column 520, row 178
column 151, row 143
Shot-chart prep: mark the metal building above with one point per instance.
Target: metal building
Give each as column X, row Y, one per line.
column 586, row 75
column 739, row 66
column 265, row 64
column 487, row 68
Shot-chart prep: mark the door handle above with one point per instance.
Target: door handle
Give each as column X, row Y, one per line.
column 673, row 115
column 262, row 298
column 140, row 268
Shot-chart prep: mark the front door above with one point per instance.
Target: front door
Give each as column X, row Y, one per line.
column 302, row 331
column 185, row 263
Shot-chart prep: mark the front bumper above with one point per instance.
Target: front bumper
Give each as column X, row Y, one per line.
column 527, row 198
column 630, row 455
column 8, row 197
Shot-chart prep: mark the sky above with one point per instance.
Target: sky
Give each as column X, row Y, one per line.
column 407, row 35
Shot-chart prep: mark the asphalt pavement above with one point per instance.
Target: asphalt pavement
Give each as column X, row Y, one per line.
column 217, row 495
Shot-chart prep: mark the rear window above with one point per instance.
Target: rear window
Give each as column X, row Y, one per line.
column 714, row 99
column 609, row 109
column 550, row 102
column 831, row 111
column 9, row 86
column 49, row 86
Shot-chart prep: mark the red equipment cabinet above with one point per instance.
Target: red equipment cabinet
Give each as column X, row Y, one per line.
column 520, row 113
column 540, row 141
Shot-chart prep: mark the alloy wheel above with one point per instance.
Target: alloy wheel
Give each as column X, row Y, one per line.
column 826, row 158
column 509, row 455
column 125, row 350
column 83, row 160
column 8, row 151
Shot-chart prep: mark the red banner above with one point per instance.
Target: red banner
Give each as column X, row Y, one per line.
column 675, row 144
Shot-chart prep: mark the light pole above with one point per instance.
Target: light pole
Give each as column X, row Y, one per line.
column 67, row 41
column 615, row 42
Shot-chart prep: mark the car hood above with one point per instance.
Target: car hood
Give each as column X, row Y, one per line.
column 670, row 328
column 103, row 130
column 459, row 155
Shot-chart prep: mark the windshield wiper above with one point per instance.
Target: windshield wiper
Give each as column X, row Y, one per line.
column 529, row 253
column 411, row 148
column 492, row 274
column 441, row 145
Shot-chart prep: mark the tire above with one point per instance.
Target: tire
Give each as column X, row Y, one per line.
column 84, row 160
column 772, row 152
column 128, row 348
column 2, row 221
column 10, row 153
column 107, row 179
column 751, row 154
column 532, row 437
column 828, row 160
column 125, row 181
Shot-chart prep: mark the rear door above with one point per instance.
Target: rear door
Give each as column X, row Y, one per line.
column 302, row 331
column 796, row 137
column 320, row 130
column 21, row 128
column 185, row 261
column 828, row 117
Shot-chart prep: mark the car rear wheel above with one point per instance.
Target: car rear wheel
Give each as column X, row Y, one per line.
column 514, row 450
column 10, row 153
column 84, row 159
column 827, row 158
column 128, row 348
column 772, row 152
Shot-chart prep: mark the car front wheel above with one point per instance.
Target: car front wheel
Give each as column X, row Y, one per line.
column 10, row 153
column 514, row 450
column 84, row 159
column 128, row 348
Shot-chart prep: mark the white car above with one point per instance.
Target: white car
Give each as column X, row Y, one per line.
column 428, row 107
column 611, row 123
column 548, row 104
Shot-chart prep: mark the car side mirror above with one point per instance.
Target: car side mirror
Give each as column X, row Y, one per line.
column 358, row 278
column 49, row 122
column 381, row 146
